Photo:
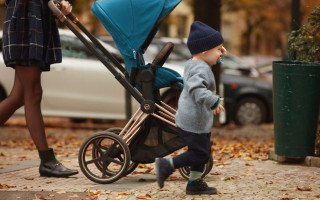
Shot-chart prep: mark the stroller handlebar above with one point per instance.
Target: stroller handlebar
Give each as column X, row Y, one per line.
column 162, row 56
column 56, row 7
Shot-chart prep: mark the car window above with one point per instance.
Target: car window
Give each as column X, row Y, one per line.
column 179, row 54
column 74, row 48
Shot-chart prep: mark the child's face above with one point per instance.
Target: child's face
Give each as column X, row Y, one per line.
column 212, row 56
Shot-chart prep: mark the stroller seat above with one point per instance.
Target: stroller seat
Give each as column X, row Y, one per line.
column 154, row 76
column 128, row 21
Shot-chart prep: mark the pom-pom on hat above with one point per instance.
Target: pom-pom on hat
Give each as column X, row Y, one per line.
column 202, row 38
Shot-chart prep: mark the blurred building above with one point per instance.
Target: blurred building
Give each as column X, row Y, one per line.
column 241, row 38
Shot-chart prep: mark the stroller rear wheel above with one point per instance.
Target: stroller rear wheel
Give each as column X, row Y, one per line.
column 185, row 171
column 104, row 157
column 132, row 165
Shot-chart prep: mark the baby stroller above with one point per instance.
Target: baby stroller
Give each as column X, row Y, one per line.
column 106, row 156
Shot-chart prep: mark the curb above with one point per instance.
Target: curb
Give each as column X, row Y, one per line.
column 310, row 161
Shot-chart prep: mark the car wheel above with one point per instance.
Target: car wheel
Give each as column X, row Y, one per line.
column 250, row 110
column 171, row 98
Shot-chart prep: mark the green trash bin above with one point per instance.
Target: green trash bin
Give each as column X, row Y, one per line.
column 296, row 97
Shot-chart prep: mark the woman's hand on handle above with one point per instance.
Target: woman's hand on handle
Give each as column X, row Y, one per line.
column 66, row 7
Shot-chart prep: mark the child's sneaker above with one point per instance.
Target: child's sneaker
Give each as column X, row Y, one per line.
column 199, row 187
column 163, row 170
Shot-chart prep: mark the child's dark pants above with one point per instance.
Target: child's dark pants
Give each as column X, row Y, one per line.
column 199, row 151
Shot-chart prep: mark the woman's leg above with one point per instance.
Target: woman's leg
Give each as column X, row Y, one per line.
column 13, row 102
column 30, row 79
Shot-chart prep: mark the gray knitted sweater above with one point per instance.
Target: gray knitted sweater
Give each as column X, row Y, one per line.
column 196, row 101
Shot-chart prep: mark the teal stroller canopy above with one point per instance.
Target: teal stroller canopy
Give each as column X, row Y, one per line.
column 133, row 25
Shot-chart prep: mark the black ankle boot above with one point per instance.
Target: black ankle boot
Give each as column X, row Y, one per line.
column 198, row 187
column 51, row 167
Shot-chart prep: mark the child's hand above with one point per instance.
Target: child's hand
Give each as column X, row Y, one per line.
column 220, row 107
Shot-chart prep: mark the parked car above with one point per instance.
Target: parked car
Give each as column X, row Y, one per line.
column 247, row 89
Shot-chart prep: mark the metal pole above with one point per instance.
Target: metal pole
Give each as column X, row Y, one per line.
column 295, row 15
column 295, row 23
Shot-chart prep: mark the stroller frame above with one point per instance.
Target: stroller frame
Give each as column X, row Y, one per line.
column 132, row 127
column 118, row 152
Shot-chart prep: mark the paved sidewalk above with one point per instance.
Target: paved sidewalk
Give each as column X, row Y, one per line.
column 236, row 179
column 238, row 175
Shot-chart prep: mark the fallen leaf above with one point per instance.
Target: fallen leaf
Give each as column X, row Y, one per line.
column 124, row 193
column 141, row 180
column 226, row 178
column 5, row 186
column 88, row 192
column 73, row 196
column 245, row 174
column 304, row 188
column 248, row 164
column 142, row 165
column 29, row 178
column 216, row 173
column 61, row 192
column 311, row 177
column 98, row 192
column 146, row 196
column 247, row 158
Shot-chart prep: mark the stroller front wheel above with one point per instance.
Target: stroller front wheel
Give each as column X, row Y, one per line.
column 104, row 157
column 133, row 165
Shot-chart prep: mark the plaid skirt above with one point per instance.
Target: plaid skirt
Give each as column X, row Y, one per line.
column 30, row 35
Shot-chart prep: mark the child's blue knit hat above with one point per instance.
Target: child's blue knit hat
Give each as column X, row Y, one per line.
column 202, row 38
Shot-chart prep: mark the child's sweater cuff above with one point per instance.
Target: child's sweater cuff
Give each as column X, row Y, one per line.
column 215, row 106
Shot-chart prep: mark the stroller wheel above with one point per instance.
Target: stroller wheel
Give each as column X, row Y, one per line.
column 185, row 171
column 132, row 165
column 104, row 157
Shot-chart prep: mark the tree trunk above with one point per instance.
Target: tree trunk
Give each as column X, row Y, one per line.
column 208, row 12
